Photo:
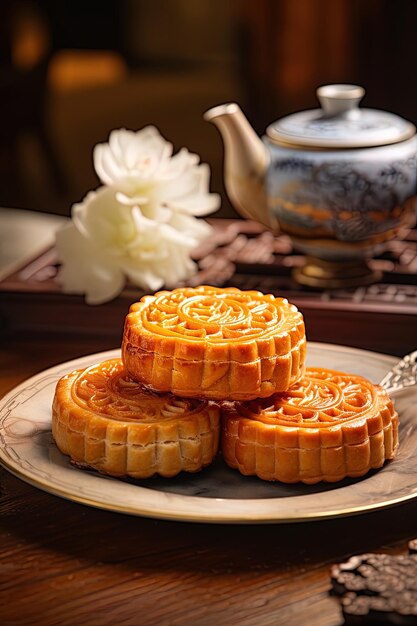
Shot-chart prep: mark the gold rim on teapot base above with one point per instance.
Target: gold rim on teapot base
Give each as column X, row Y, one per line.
column 335, row 275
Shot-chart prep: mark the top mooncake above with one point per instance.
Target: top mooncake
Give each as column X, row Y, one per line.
column 214, row 343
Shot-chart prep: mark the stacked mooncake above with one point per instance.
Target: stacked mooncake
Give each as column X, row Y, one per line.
column 193, row 358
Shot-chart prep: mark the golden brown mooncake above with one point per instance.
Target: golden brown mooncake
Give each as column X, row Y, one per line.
column 214, row 343
column 328, row 426
column 104, row 420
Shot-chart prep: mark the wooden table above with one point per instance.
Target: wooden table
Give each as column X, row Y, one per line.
column 68, row 564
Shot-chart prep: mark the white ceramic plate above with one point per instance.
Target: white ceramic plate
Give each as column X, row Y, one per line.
column 218, row 493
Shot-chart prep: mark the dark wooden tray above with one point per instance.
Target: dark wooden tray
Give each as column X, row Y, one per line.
column 382, row 316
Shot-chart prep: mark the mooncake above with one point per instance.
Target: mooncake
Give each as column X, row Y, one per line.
column 214, row 343
column 328, row 426
column 104, row 420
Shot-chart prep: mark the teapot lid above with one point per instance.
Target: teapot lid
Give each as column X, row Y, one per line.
column 340, row 123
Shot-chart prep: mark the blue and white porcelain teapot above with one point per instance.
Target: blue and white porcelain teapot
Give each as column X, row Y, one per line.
column 340, row 180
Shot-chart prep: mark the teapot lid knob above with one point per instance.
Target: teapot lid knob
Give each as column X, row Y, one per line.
column 337, row 99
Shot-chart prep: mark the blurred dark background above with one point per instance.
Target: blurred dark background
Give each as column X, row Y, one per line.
column 71, row 71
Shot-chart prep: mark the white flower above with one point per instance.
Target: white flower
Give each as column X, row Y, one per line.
column 141, row 224
column 141, row 167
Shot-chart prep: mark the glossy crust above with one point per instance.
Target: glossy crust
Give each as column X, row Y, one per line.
column 104, row 420
column 214, row 343
column 328, row 426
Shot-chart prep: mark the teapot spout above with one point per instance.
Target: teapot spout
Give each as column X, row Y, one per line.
column 246, row 160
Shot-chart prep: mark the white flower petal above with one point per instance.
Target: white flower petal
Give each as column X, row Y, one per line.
column 187, row 183
column 196, row 204
column 172, row 235
column 204, row 173
column 195, row 228
column 178, row 164
column 143, row 223
column 122, row 144
column 119, row 139
column 157, row 212
column 84, row 271
column 144, row 277
column 107, row 167
column 131, row 200
column 102, row 219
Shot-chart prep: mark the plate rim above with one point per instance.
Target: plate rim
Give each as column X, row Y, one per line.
column 228, row 517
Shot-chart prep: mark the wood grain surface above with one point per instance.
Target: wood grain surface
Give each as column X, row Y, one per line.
column 64, row 563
